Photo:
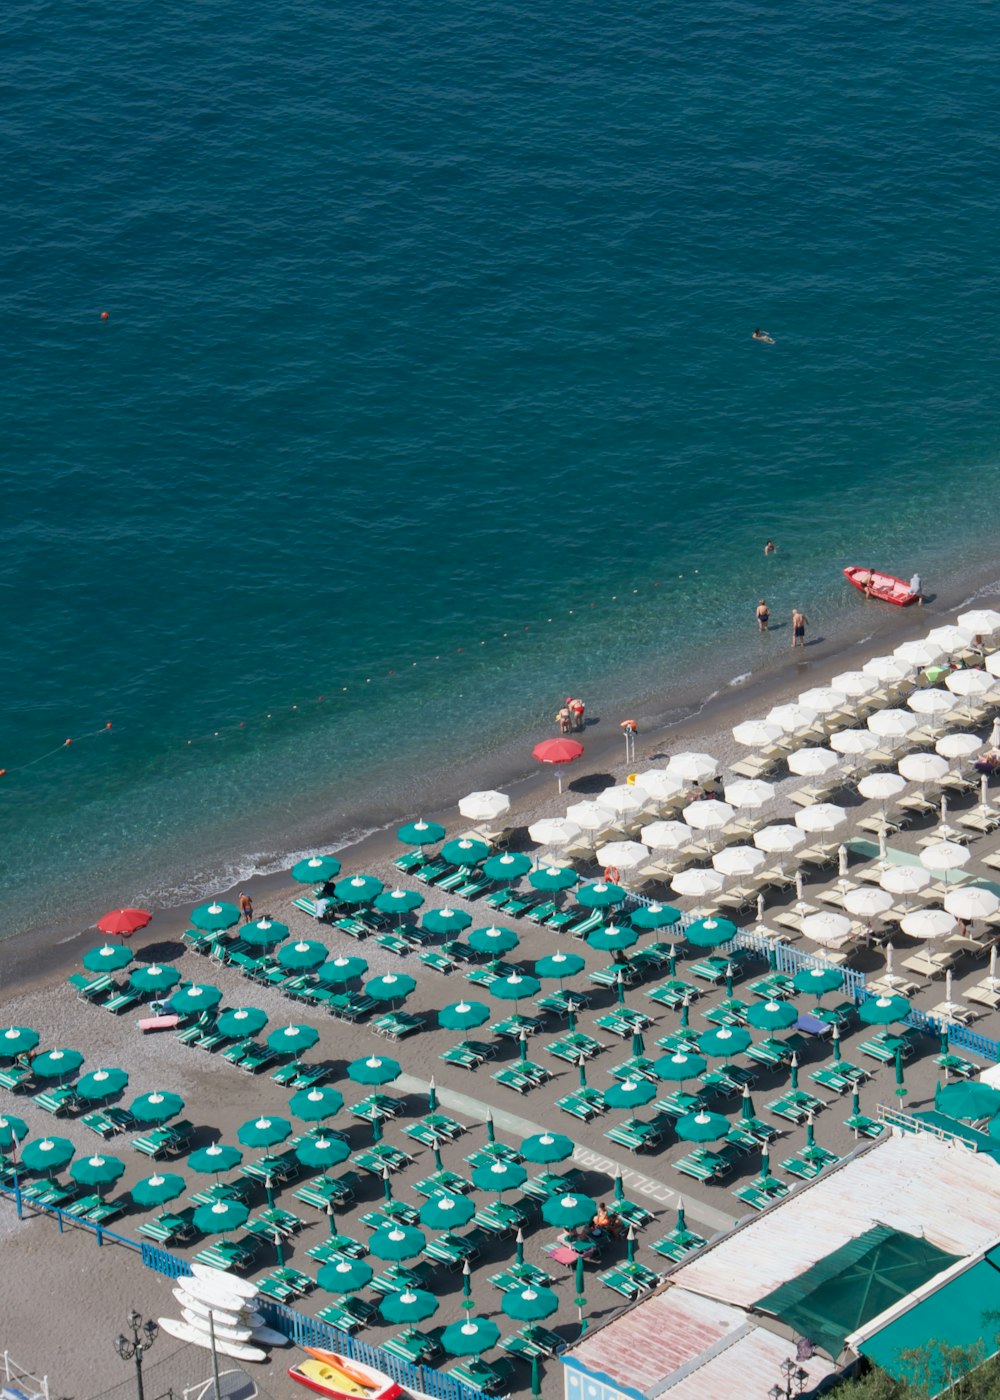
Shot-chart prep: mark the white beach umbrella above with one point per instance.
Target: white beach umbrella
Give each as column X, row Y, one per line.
column 484, row 806
column 658, row 784
column 738, row 860
column 992, row 663
column 920, row 654
column 779, row 839
column 868, row 903
column 904, row 879
column 944, row 855
column 825, row 816
column 751, row 793
column 826, row 928
column 951, row 638
column 622, row 801
column 792, row 718
column 698, row 883
column 971, row 902
column 980, row 621
column 881, row 787
column 936, row 703
column 708, row 814
column 813, row 763
column 958, row 745
column 588, row 815
column 970, row 682
column 757, row 733
column 693, row 767
column 928, row 924
column 625, row 855
column 854, row 684
column 889, row 670
column 892, row 724
column 554, row 831
column 854, row 742
column 823, row 699
column 666, row 836
column 922, row 767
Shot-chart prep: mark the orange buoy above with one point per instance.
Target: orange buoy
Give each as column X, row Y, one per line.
column 105, row 315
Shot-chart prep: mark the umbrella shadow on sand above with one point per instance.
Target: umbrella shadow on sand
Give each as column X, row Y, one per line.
column 167, row 950
column 591, row 782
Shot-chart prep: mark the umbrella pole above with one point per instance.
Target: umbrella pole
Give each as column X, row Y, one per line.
column 215, row 1354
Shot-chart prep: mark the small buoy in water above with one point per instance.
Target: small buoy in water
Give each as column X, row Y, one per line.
column 105, row 315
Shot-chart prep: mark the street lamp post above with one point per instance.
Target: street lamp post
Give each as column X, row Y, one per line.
column 143, row 1336
column 794, row 1382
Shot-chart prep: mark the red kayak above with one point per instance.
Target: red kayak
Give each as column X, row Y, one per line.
column 882, row 586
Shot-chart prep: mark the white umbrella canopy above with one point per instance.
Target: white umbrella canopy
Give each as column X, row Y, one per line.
column 984, row 621
column 904, row 879
column 951, row 638
column 892, row 724
column 658, row 784
column 792, row 717
column 698, row 883
column 738, row 860
column 484, row 806
column 922, row 767
column 588, row 815
column 624, row 855
column 928, row 924
column 887, row 669
column 932, row 702
column 854, row 684
column 854, row 742
column 622, row 801
column 555, row 831
column 749, row 792
column 971, row 902
column 921, row 654
column 944, row 855
column 881, row 787
column 828, row 929
column 823, row 699
column 993, row 663
column 813, row 763
column 824, row 816
column 958, row 745
column 693, row 767
column 709, row 814
column 779, row 839
column 970, row 682
column 757, row 733
column 666, row 836
column 868, row 903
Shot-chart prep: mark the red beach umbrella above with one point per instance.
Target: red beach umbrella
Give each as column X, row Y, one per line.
column 557, row 751
column 124, row 922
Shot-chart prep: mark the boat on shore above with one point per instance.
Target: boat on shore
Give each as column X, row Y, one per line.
column 329, row 1373
column 874, row 584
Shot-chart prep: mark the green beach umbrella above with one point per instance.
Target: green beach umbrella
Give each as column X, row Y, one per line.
column 709, row 933
column 97, row 1170
column 319, row 1153
column 17, row 1040
column 358, row 889
column 316, row 870
column 469, row 1338
column 12, row 1130
column 493, row 940
column 560, row 965
column 599, row 894
column 447, row 921
column 315, row 1104
column 392, row 986
column 967, row 1100
column 703, row 1126
column 192, row 1001
column 264, row 933
column 374, row 1069
column 463, row 1015
column 292, row 1040
column 464, row 851
column 772, row 1015
column 499, row 1176
column 900, row 1080
column 510, row 866
column 154, row 978
column 993, row 1127
column 552, row 878
column 420, row 833
column 397, row 1242
column 613, row 938
column 835, row 1037
column 48, row 1154
column 654, row 916
column 158, row 1189
column 410, row 1306
column 726, row 1041
column 56, row 1064
column 337, row 972
column 345, row 1275
column 214, row 917
column 216, row 1158
column 630, row 1093
column 446, row 1211
column 101, row 1084
column 681, row 1065
column 264, row 1131
column 157, row 1107
column 530, row 1303
column 793, row 1071
column 817, row 981
column 242, row 1021
column 109, row 957
column 747, row 1111
column 221, row 1216
column 398, row 901
column 569, row 1211
column 515, row 986
column 882, row 1011
column 547, row 1147
column 303, row 956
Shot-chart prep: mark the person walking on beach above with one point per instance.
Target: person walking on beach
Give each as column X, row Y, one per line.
column 763, row 615
column 246, row 907
column 799, row 621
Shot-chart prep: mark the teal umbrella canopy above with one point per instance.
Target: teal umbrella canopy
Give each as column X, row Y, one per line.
column 772, row 1015
column 510, row 866
column 374, row 1069
column 817, row 981
column 101, row 1084
column 97, row 1170
column 726, row 1041
column 221, row 1216
column 264, row 933
column 264, row 1131
column 547, row 1147
column 560, row 965
column 629, row 1093
column 219, row 1157
column 469, row 1338
column 654, row 916
column 464, row 851
column 681, row 1065
column 552, row 878
column 316, row 870
column 319, row 1153
column 703, row 1127
column 421, row 833
column 709, row 933
column 303, row 956
column 56, row 1064
column 48, row 1154
column 292, row 1040
column 530, row 1303
column 882, row 1011
column 447, row 921
column 358, row 889
column 967, row 1099
column 569, row 1211
column 157, row 1107
column 463, row 1015
column 446, row 1211
column 398, row 901
column 411, row 1306
column 392, row 986
column 158, row 1189
column 12, row 1130
column 493, row 940
column 17, row 1040
column 154, row 978
column 600, row 894
column 396, row 1242
column 337, row 972
column 315, row 1104
column 613, row 938
column 242, row 1021
column 345, row 1275
column 193, row 1001
column 499, row 1176
column 515, row 986
column 109, row 957
column 214, row 917
column 993, row 1128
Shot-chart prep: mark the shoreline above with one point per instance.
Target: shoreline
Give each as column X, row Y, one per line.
column 32, row 958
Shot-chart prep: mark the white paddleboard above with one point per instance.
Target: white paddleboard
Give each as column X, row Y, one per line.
column 251, row 1332
column 215, row 1297
column 184, row 1332
column 233, row 1282
column 229, row 1317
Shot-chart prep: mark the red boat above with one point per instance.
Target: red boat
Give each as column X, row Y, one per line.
column 882, row 586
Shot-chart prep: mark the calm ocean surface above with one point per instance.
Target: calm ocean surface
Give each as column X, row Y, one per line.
column 429, row 329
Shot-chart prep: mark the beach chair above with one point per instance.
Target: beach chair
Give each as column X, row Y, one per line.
column 468, row 1054
column 624, row 1022
column 230, row 1254
column 380, row 1106
column 629, row 1280
column 254, row 1058
column 760, row 1197
column 704, row 1167
column 451, row 1250
column 336, row 1245
column 522, row 1076
column 570, row 1047
column 801, row 1167
column 636, row 1135
column 863, row 1126
column 583, row 1104
column 58, row 1101
column 397, row 1025
column 547, row 1184
column 121, row 1001
column 491, row 1377
column 443, row 1180
column 285, row 1284
column 680, row 1102
column 352, row 1006
column 434, row 1127
column 437, row 962
column 98, row 1210
column 324, row 1191
column 172, row 1228
column 91, row 989
column 588, row 925
column 419, row 1348
column 398, row 1278
column 677, row 1245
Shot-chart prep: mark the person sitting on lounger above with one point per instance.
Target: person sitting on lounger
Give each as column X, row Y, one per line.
column 605, row 1224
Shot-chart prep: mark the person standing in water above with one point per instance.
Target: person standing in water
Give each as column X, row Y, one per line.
column 770, row 547
column 799, row 621
column 763, row 615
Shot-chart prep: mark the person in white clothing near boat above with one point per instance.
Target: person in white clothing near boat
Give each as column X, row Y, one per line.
column 916, row 588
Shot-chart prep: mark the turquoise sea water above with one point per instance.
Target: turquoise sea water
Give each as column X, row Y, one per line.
column 426, row 326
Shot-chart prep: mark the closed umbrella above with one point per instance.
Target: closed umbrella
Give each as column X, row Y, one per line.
column 316, row 870
column 703, row 1126
column 17, row 1040
column 654, row 916
column 420, row 833
column 697, row 883
column 292, row 1040
column 157, row 1107
column 411, row 1306
column 242, row 1021
column 218, row 1157
column 375, row 1069
column 193, row 1001
column 158, row 1189
column 336, row 972
column 693, row 767
column 466, row 850
column 772, row 1015
column 12, row 1130
column 493, row 940
column 499, row 1176
column 265, row 1131
column 264, row 933
column 569, row 1211
column 100, row 1085
column 559, row 965
column 343, row 1275
column 446, row 1211
column 882, row 1011
column 358, row 889
column 216, row 916
column 600, row 894
column 108, row 957
column 303, row 956
column 447, row 921
column 710, row 933
column 613, row 938
column 320, row 1153
column 97, row 1170
column 315, row 1104
column 681, row 1065
column 48, row 1154
column 56, row 1064
column 221, row 1216
column 629, row 1093
column 154, row 978
column 552, row 878
column 396, row 1242
column 547, row 1147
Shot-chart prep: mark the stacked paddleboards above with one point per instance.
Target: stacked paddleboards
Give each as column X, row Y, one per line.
column 211, row 1299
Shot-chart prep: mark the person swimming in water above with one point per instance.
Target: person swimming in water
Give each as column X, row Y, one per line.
column 762, row 335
